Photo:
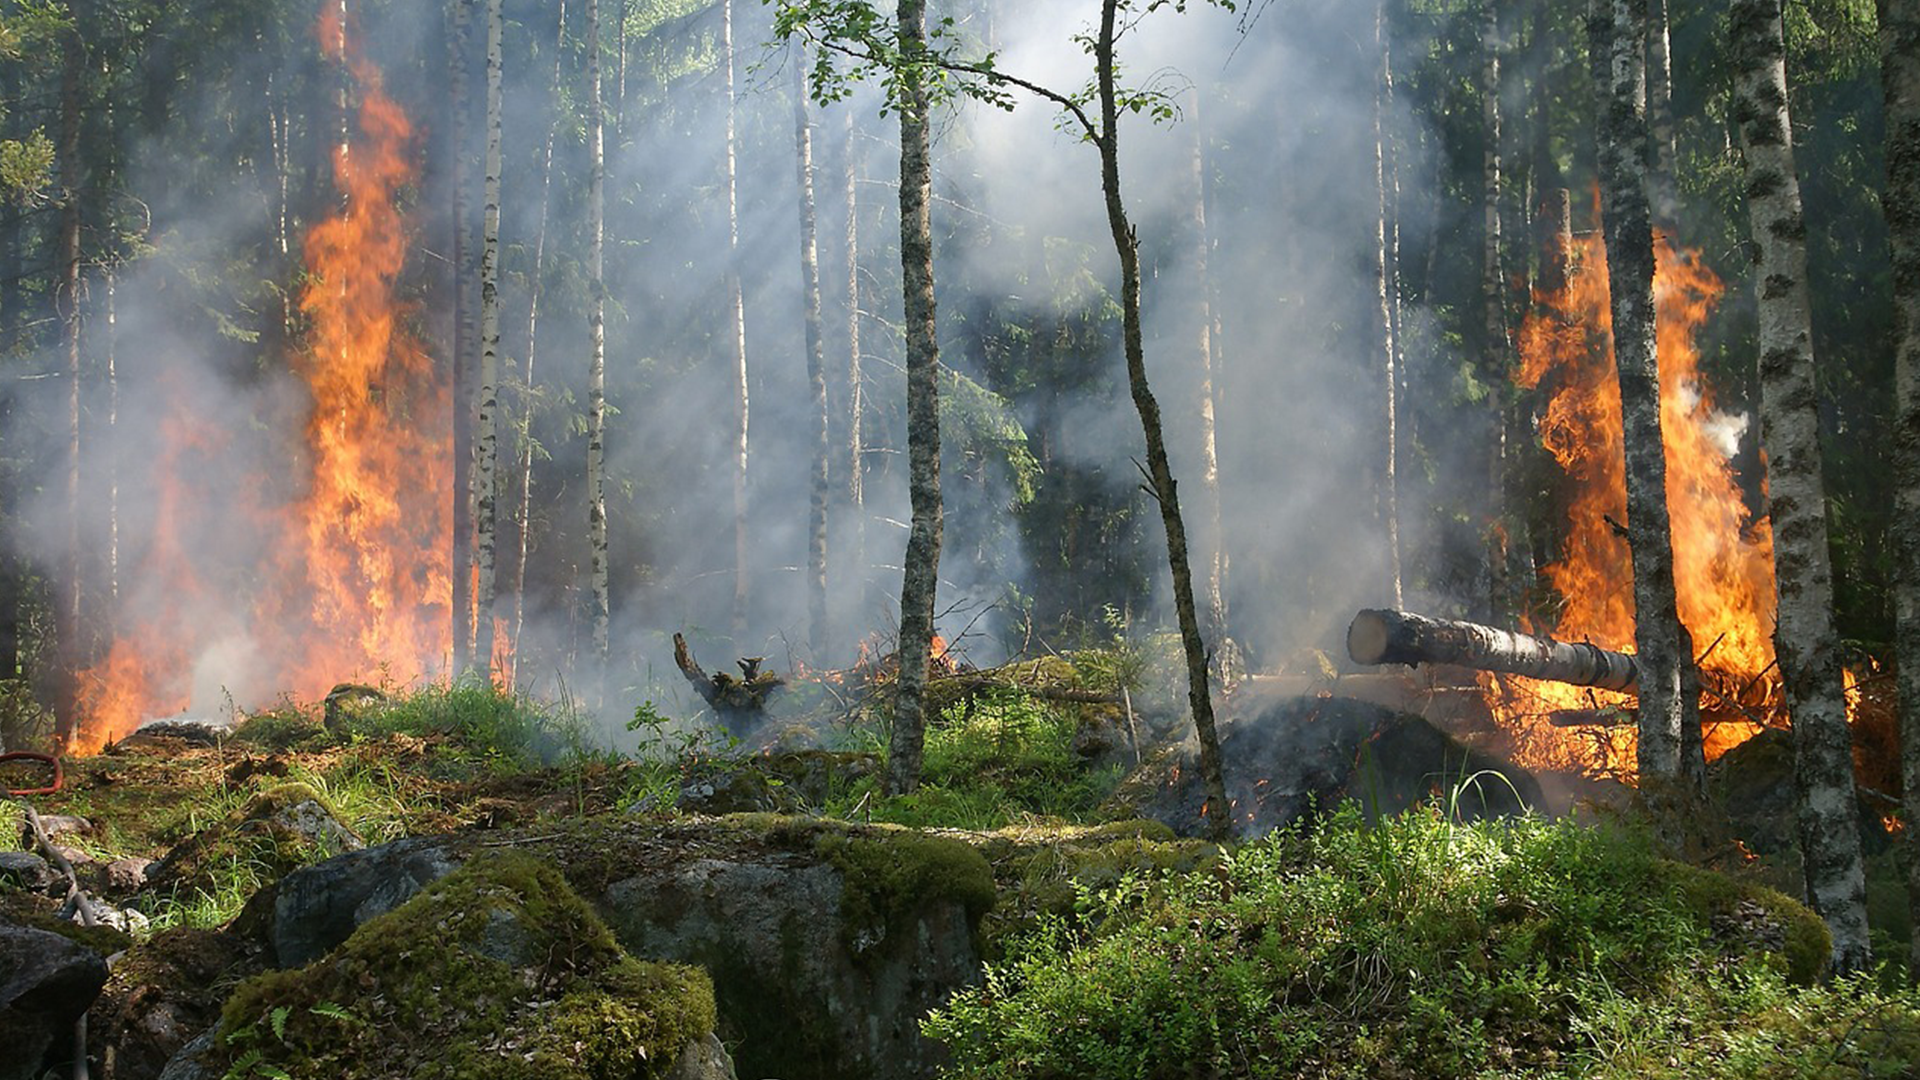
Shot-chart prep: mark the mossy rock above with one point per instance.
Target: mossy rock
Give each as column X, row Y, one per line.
column 497, row 970
column 1752, row 918
column 282, row 828
column 1040, row 871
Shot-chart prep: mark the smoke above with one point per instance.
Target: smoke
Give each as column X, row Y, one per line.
column 1282, row 106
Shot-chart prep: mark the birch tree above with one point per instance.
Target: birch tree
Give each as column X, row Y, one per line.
column 816, row 368
column 856, row 391
column 486, row 504
column 66, row 297
column 1381, row 314
column 736, row 341
column 536, row 291
column 1900, row 85
column 1668, row 704
column 1804, row 638
column 457, row 108
column 599, row 600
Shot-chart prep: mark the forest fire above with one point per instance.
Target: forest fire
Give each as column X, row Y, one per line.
column 1723, row 558
column 354, row 582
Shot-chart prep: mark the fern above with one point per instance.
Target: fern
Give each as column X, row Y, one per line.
column 332, row 1012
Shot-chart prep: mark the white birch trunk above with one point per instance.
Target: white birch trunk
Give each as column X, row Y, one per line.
column 737, row 343
column 1900, row 84
column 599, row 600
column 486, row 504
column 1805, row 638
column 816, row 366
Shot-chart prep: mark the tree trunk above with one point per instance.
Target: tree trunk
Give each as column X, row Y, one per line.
column 1494, row 357
column 1900, row 84
column 816, row 368
column 599, row 602
column 1213, row 537
column 921, row 575
column 1127, row 246
column 856, row 392
column 486, row 503
column 462, row 345
column 523, row 517
column 1401, row 637
column 1661, row 188
column 1389, row 493
column 737, row 344
column 1663, row 647
column 1804, row 637
column 67, row 608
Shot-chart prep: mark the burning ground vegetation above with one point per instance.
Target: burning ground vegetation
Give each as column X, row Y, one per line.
column 1386, row 905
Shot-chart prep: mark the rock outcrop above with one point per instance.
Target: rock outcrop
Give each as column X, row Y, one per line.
column 826, row 943
column 46, row 983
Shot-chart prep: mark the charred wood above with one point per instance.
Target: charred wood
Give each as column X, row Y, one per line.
column 1379, row 636
column 731, row 696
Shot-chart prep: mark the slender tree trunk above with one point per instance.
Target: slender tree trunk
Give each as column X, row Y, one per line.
column 921, row 575
column 1493, row 299
column 1127, row 245
column 68, row 607
column 737, row 344
column 486, row 503
column 1805, row 638
column 1900, row 85
column 523, row 517
column 1382, row 317
column 1213, row 539
column 1664, row 648
column 462, row 345
column 112, row 363
column 1661, row 189
column 816, row 368
column 599, row 604
column 856, row 391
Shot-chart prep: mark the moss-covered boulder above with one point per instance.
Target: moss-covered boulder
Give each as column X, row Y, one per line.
column 498, row 970
column 283, row 827
column 826, row 942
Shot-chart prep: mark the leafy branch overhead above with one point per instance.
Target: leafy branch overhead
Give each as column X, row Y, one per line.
column 857, row 43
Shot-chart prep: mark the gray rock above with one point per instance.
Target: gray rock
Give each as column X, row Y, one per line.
column 128, row 875
column 311, row 822
column 704, row 1060
column 46, row 983
column 185, row 1065
column 27, row 871
column 802, row 991
column 317, row 907
column 55, row 826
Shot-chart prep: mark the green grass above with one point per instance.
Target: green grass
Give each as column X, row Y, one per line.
column 997, row 758
column 1417, row 948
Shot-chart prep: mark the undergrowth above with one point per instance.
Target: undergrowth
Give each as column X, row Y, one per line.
column 1419, row 948
column 998, row 757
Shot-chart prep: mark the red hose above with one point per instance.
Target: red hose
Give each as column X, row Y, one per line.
column 59, row 776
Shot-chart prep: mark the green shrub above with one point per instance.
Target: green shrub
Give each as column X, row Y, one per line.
column 1414, row 948
column 993, row 758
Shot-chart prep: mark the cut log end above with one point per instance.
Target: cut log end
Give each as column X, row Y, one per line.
column 1369, row 637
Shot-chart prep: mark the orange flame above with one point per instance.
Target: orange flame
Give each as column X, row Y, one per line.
column 1723, row 559
column 358, row 584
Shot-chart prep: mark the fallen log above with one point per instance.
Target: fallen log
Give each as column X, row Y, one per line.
column 1605, row 716
column 1379, row 636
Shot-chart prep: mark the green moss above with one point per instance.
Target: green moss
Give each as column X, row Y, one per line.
column 892, row 874
column 1805, row 942
column 498, row 970
column 1040, row 871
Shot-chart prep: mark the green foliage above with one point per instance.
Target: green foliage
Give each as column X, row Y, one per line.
column 992, row 758
column 498, row 970
column 26, row 165
column 1415, row 948
column 891, row 875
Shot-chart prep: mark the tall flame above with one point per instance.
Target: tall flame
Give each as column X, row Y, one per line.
column 357, row 584
column 1723, row 558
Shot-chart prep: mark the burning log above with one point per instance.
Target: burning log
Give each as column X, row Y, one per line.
column 1605, row 716
column 1401, row 637
column 731, row 697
